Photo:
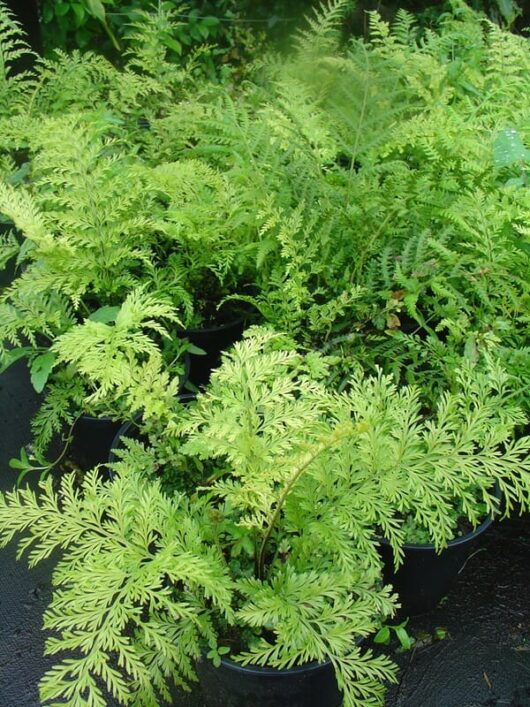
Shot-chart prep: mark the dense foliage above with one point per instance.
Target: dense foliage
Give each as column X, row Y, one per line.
column 367, row 198
column 104, row 25
column 425, row 182
column 102, row 220
column 187, row 571
column 231, row 28
column 277, row 540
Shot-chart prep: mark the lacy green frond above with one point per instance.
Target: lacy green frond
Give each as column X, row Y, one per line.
column 13, row 47
column 113, row 357
column 132, row 589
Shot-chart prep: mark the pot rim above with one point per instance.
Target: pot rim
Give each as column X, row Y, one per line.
column 211, row 329
column 461, row 540
column 259, row 670
column 99, row 419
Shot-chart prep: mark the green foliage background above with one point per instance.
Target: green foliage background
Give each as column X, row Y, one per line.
column 232, row 25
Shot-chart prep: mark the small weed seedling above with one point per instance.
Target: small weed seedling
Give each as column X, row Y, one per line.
column 384, row 635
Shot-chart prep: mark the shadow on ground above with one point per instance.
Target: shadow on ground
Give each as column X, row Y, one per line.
column 483, row 662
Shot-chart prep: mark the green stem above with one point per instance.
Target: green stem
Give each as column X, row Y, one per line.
column 49, row 467
column 292, row 481
column 85, row 307
column 111, row 35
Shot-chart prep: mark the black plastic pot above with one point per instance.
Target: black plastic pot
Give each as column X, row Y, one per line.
column 213, row 340
column 131, row 430
column 232, row 685
column 91, row 440
column 93, row 437
column 426, row 576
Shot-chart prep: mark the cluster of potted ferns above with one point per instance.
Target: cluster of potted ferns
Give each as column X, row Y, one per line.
column 275, row 491
column 244, row 527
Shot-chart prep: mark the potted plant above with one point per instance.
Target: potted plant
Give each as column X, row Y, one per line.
column 98, row 373
column 439, row 474
column 209, row 253
column 253, row 566
column 447, row 277
column 99, row 223
column 91, row 131
column 284, row 489
column 86, row 264
column 419, row 240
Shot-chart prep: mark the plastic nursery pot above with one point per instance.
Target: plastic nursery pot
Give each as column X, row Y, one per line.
column 91, row 440
column 232, row 685
column 130, row 430
column 425, row 576
column 213, row 340
column 93, row 437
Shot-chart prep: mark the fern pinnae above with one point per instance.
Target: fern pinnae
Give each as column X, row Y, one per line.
column 322, row 31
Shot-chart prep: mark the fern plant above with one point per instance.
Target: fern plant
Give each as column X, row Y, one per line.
column 380, row 463
column 124, row 98
column 151, row 611
column 398, row 460
column 100, row 224
column 86, row 248
column 84, row 215
column 110, row 365
column 276, row 538
column 322, row 195
column 237, row 555
column 432, row 227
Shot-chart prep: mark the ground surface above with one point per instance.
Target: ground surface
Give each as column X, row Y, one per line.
column 484, row 661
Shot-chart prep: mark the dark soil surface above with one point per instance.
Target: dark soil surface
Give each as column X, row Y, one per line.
column 484, row 661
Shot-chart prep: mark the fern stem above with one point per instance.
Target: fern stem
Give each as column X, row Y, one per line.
column 290, row 484
column 111, row 35
column 46, row 469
